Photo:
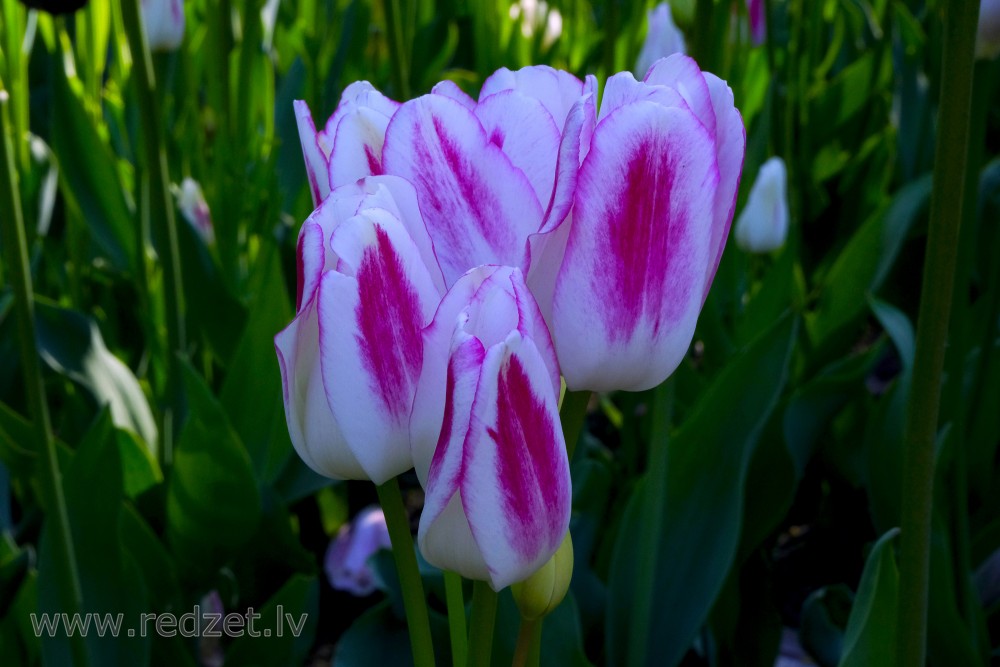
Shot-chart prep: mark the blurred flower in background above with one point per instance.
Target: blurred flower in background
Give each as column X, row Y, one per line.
column 194, row 209
column 663, row 38
column 537, row 16
column 758, row 21
column 346, row 561
column 164, row 21
column 988, row 35
column 763, row 222
column 210, row 651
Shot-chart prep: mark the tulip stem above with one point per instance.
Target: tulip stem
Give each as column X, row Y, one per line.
column 14, row 242
column 921, row 426
column 456, row 618
column 484, row 613
column 572, row 414
column 414, row 602
column 529, row 644
column 161, row 211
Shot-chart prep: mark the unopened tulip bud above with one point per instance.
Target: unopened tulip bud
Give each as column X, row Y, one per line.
column 542, row 592
column 164, row 21
column 194, row 209
column 763, row 223
column 988, row 35
column 663, row 38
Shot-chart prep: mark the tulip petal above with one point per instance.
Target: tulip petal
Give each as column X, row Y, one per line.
column 450, row 89
column 622, row 89
column 637, row 249
column 310, row 260
column 683, row 75
column 526, row 132
column 370, row 338
column 478, row 207
column 317, row 165
column 515, row 485
column 357, row 130
column 731, row 140
column 314, row 432
column 556, row 89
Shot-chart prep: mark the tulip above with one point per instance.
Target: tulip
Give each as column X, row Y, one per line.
column 988, row 34
column 346, row 561
column 758, row 21
column 164, row 23
column 349, row 146
column 652, row 209
column 541, row 593
column 663, row 38
column 763, row 222
column 368, row 285
column 487, row 443
column 194, row 209
column 537, row 16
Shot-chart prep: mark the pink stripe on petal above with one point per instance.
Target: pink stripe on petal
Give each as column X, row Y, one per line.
column 389, row 321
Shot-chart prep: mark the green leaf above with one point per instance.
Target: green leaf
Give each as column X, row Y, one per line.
column 88, row 176
column 865, row 262
column 707, row 465
column 293, row 611
column 251, row 393
column 870, row 637
column 213, row 504
column 823, row 621
column 71, row 344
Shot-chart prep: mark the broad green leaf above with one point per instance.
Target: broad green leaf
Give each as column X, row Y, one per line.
column 287, row 625
column 89, row 178
column 71, row 344
column 865, row 262
column 707, row 465
column 109, row 581
column 870, row 637
column 823, row 621
column 213, row 504
column 17, row 442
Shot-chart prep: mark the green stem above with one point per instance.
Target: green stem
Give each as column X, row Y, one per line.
column 456, row 618
column 484, row 613
column 655, row 498
column 529, row 644
column 572, row 414
column 15, row 245
column 397, row 48
column 932, row 327
column 409, row 575
column 161, row 208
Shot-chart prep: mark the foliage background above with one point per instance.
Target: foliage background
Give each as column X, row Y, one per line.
column 782, row 430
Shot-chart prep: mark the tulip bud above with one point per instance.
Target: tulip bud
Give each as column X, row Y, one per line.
column 763, row 222
column 487, row 444
column 663, row 38
column 988, row 35
column 164, row 22
column 542, row 592
column 194, row 209
column 536, row 15
column 346, row 561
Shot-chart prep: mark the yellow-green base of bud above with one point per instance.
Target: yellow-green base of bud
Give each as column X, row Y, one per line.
column 542, row 592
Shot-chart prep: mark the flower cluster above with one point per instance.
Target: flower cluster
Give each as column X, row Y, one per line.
column 464, row 254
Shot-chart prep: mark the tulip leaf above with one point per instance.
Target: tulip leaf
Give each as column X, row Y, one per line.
column 89, row 178
column 213, row 504
column 870, row 637
column 379, row 637
column 71, row 344
column 109, row 579
column 706, row 471
column 251, row 393
column 287, row 625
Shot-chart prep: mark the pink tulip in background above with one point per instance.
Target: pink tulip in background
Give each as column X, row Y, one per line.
column 346, row 561
column 758, row 21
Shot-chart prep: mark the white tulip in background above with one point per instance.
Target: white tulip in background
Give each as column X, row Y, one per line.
column 988, row 35
column 535, row 16
column 763, row 223
column 663, row 38
column 194, row 209
column 164, row 21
